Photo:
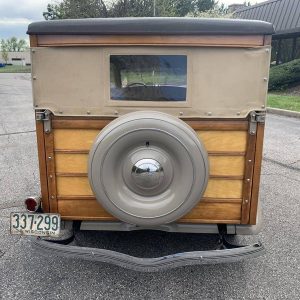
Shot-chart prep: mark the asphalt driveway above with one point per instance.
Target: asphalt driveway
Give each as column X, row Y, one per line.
column 24, row 274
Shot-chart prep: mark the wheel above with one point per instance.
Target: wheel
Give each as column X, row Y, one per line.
column 148, row 168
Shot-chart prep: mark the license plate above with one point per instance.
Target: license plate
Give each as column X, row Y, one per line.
column 35, row 224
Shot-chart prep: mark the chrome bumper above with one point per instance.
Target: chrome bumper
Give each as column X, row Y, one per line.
column 225, row 253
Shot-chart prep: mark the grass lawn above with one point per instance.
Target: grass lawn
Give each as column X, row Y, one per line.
column 284, row 102
column 15, row 69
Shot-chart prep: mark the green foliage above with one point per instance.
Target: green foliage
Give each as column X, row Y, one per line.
column 131, row 8
column 75, row 9
column 284, row 102
column 4, row 52
column 285, row 75
column 15, row 69
column 13, row 45
column 215, row 12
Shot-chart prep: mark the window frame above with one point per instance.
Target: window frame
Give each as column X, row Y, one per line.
column 145, row 51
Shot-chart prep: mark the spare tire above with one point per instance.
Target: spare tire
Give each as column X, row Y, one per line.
column 148, row 168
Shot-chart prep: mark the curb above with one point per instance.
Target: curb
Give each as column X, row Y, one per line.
column 283, row 112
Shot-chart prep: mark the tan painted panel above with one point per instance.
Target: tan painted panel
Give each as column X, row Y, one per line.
column 71, row 163
column 214, row 211
column 224, row 140
column 74, row 139
column 226, row 165
column 222, row 82
column 216, row 188
column 223, row 188
column 202, row 213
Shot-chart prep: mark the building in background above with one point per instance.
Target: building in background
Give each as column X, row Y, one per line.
column 18, row 58
column 285, row 16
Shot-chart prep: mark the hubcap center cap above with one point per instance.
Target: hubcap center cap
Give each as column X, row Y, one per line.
column 147, row 173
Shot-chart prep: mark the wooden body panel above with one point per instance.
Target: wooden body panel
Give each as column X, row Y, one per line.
column 155, row 40
column 234, row 155
column 230, row 150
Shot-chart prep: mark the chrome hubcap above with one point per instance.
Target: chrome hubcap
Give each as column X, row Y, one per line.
column 147, row 173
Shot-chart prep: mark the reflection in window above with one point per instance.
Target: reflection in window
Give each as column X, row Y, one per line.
column 148, row 77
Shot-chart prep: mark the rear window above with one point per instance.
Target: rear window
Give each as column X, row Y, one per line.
column 148, row 77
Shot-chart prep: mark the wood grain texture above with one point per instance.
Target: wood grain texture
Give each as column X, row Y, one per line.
column 42, row 165
column 224, row 188
column 223, row 197
column 202, row 213
column 213, row 211
column 99, row 123
column 226, row 166
column 151, row 40
column 224, row 140
column 73, row 139
column 68, row 186
column 33, row 40
column 83, row 209
column 256, row 173
column 216, row 188
column 209, row 200
column 247, row 185
column 71, row 163
column 49, row 146
column 77, row 123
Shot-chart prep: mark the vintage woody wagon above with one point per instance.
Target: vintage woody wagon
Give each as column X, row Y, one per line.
column 149, row 123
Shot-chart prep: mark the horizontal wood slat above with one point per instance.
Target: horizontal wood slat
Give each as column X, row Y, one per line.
column 71, row 163
column 211, row 153
column 202, row 213
column 224, row 188
column 214, row 211
column 74, row 139
column 226, row 165
column 210, row 200
column 67, row 186
column 216, row 188
column 152, row 40
column 90, row 123
column 220, row 166
column 224, row 140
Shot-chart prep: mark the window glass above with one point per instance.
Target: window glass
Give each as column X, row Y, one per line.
column 148, row 77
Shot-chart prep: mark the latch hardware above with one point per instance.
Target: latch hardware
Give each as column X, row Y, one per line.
column 44, row 115
column 256, row 117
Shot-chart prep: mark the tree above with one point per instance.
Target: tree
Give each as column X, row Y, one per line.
column 4, row 52
column 14, row 45
column 218, row 11
column 74, row 9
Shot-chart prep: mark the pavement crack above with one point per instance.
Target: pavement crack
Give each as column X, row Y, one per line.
column 288, row 166
column 19, row 132
column 2, row 253
column 295, row 162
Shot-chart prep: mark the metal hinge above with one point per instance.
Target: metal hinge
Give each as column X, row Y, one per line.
column 256, row 117
column 44, row 116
